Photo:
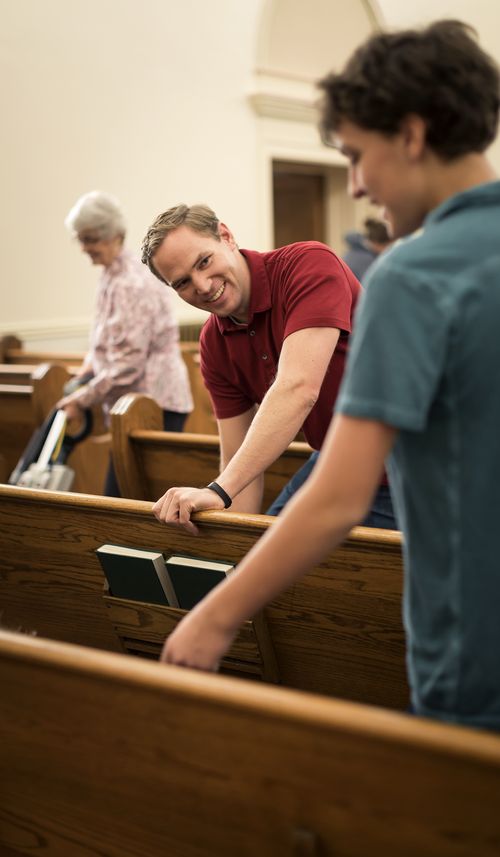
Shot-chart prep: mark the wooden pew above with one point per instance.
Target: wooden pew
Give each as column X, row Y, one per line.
column 12, row 373
column 8, row 341
column 12, row 349
column 25, row 401
column 27, row 395
column 201, row 420
column 107, row 755
column 336, row 631
column 148, row 460
column 13, row 352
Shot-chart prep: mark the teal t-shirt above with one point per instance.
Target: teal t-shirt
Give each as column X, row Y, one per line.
column 425, row 359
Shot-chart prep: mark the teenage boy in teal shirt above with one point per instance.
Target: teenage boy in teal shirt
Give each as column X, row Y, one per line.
column 413, row 112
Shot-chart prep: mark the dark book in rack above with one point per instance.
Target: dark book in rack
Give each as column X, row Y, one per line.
column 192, row 578
column 137, row 575
column 144, row 575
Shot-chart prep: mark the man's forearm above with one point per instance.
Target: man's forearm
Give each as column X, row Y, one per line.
column 249, row 500
column 279, row 418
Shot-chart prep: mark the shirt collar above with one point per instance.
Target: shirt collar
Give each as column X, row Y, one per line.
column 480, row 195
column 117, row 264
column 260, row 292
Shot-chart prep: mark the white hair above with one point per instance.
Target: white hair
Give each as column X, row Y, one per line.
column 98, row 211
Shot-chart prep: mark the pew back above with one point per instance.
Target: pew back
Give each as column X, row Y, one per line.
column 25, row 400
column 11, row 373
column 105, row 755
column 13, row 351
column 148, row 460
column 27, row 395
column 201, row 420
column 8, row 341
column 71, row 360
column 336, row 631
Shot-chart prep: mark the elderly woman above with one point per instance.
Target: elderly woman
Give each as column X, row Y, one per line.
column 134, row 344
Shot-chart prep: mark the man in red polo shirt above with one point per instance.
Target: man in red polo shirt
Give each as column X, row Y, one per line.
column 272, row 352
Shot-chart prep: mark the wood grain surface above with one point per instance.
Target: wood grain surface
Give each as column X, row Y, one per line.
column 148, row 461
column 336, row 631
column 108, row 756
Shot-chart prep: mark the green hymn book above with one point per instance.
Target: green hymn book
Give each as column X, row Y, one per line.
column 193, row 578
column 137, row 575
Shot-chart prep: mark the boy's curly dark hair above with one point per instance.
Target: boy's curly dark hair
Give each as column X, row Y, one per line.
column 439, row 73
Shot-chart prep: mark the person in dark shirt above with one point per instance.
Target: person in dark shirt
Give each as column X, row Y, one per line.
column 363, row 248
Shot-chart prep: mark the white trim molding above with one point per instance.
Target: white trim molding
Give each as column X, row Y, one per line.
column 278, row 97
column 56, row 329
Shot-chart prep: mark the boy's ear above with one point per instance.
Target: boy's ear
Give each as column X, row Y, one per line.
column 413, row 129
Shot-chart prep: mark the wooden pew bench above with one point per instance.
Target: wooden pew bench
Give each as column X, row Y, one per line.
column 27, row 395
column 107, row 755
column 13, row 351
column 148, row 460
column 17, row 374
column 8, row 341
column 201, row 420
column 26, row 398
column 336, row 631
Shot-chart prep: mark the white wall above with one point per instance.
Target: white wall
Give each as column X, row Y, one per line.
column 146, row 100
column 149, row 101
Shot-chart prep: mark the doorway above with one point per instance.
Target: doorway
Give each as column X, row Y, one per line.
column 299, row 203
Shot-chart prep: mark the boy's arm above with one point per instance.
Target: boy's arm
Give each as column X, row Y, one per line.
column 334, row 499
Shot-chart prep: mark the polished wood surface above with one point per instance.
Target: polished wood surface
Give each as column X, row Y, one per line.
column 200, row 420
column 142, row 630
column 107, row 755
column 148, row 460
column 28, row 392
column 8, row 341
column 25, row 401
column 10, row 373
column 68, row 359
column 336, row 631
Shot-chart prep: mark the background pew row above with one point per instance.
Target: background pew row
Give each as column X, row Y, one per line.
column 201, row 420
column 27, row 395
column 149, row 460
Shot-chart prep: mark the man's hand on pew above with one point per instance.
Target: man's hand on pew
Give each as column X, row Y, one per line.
column 199, row 640
column 178, row 504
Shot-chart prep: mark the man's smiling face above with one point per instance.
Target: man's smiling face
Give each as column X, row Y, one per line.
column 207, row 273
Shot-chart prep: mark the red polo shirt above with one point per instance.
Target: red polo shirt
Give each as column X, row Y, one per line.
column 295, row 287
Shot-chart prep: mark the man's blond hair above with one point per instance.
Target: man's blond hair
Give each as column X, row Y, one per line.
column 201, row 218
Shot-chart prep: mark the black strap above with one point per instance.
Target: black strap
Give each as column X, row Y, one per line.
column 71, row 440
column 226, row 499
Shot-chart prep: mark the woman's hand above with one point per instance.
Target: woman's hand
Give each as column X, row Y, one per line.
column 69, row 404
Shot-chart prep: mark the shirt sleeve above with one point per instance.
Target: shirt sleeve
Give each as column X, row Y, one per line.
column 318, row 291
column 402, row 331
